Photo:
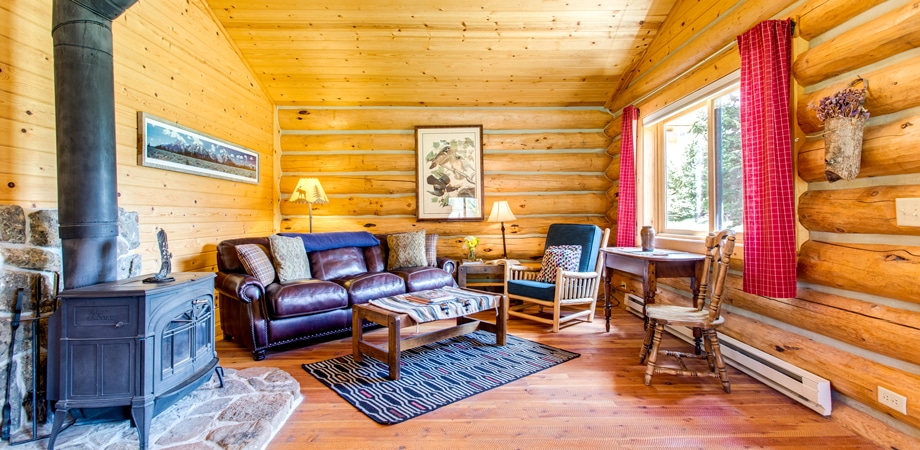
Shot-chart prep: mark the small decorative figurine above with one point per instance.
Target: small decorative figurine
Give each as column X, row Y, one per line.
column 165, row 267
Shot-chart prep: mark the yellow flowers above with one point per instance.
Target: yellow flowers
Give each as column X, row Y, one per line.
column 470, row 242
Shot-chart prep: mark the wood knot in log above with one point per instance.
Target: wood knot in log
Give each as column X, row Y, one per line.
column 894, row 258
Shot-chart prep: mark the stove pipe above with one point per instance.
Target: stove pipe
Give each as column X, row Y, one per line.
column 84, row 91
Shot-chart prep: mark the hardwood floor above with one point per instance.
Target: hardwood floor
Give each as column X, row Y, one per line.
column 596, row 400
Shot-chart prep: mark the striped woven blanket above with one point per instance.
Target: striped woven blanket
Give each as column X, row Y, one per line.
column 463, row 303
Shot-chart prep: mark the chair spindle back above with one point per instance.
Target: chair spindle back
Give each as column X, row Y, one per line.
column 719, row 249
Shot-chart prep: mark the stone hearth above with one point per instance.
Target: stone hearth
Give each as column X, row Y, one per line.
column 30, row 254
column 245, row 414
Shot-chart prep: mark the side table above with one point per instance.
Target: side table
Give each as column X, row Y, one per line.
column 486, row 277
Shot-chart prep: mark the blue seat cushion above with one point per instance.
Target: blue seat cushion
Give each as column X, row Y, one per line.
column 587, row 236
column 532, row 289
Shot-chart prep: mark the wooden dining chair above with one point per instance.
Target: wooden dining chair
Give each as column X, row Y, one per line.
column 704, row 318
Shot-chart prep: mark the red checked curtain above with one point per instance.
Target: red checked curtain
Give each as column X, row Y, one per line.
column 626, row 211
column 766, row 146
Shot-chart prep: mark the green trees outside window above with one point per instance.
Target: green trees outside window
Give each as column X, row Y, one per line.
column 702, row 144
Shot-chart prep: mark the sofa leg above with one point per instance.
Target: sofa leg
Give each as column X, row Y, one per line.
column 258, row 355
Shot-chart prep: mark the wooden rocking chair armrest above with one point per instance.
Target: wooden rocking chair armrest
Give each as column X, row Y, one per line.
column 518, row 272
column 579, row 275
column 520, row 268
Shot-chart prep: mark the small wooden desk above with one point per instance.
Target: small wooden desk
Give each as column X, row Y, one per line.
column 650, row 266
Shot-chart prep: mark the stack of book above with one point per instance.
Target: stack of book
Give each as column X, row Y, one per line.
column 430, row 296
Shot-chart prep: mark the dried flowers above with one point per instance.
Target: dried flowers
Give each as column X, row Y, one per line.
column 846, row 103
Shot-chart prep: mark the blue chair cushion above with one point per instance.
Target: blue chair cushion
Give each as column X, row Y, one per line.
column 532, row 289
column 587, row 236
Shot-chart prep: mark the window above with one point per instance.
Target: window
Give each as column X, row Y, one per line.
column 698, row 177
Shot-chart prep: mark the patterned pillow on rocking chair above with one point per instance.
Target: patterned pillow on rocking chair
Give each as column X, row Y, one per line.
column 556, row 256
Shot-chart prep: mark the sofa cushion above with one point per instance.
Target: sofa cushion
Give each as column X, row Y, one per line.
column 424, row 278
column 290, row 258
column 337, row 263
column 364, row 287
column 406, row 250
column 255, row 261
column 304, row 297
column 565, row 257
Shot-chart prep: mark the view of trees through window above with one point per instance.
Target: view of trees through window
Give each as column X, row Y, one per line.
column 693, row 157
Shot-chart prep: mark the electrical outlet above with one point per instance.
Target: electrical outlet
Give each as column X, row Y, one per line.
column 907, row 212
column 892, row 400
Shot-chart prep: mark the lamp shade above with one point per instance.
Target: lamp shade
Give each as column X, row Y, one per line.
column 309, row 190
column 501, row 212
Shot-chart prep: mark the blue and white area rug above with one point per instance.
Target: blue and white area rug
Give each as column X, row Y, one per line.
column 434, row 375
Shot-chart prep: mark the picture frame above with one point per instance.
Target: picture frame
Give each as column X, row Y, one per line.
column 163, row 144
column 449, row 176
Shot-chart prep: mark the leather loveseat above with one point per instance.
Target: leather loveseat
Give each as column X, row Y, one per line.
column 346, row 268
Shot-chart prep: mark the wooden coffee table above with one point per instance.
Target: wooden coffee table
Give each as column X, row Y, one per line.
column 395, row 321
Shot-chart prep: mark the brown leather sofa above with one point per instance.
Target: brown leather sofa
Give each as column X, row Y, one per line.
column 348, row 268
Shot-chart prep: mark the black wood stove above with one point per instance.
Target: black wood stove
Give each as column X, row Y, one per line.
column 130, row 347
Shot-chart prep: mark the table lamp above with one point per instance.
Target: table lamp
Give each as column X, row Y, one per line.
column 501, row 212
column 309, row 191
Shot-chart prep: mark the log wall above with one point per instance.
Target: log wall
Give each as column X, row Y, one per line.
column 171, row 60
column 856, row 309
column 548, row 163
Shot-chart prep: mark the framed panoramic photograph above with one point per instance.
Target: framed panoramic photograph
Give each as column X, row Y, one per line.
column 168, row 145
column 449, row 172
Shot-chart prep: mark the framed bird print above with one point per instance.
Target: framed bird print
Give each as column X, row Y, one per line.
column 449, row 172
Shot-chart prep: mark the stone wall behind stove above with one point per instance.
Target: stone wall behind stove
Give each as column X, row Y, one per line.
column 30, row 256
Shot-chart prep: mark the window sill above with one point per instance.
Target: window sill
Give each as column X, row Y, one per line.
column 691, row 245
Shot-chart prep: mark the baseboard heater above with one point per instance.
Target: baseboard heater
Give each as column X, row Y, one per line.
column 794, row 382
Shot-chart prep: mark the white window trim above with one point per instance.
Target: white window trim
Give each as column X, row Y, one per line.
column 696, row 97
column 647, row 171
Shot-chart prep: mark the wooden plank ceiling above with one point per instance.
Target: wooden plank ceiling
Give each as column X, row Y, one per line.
column 441, row 53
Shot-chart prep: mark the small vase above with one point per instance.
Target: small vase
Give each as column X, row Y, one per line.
column 648, row 238
column 472, row 254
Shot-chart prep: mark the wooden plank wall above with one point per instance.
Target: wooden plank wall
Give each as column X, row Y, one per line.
column 171, row 60
column 548, row 163
column 856, row 318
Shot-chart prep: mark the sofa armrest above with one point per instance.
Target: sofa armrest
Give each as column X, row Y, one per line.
column 244, row 287
column 446, row 264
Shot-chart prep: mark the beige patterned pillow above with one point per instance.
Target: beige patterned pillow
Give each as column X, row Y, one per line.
column 406, row 250
column 290, row 257
column 256, row 263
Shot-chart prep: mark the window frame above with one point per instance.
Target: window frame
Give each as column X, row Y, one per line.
column 652, row 164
